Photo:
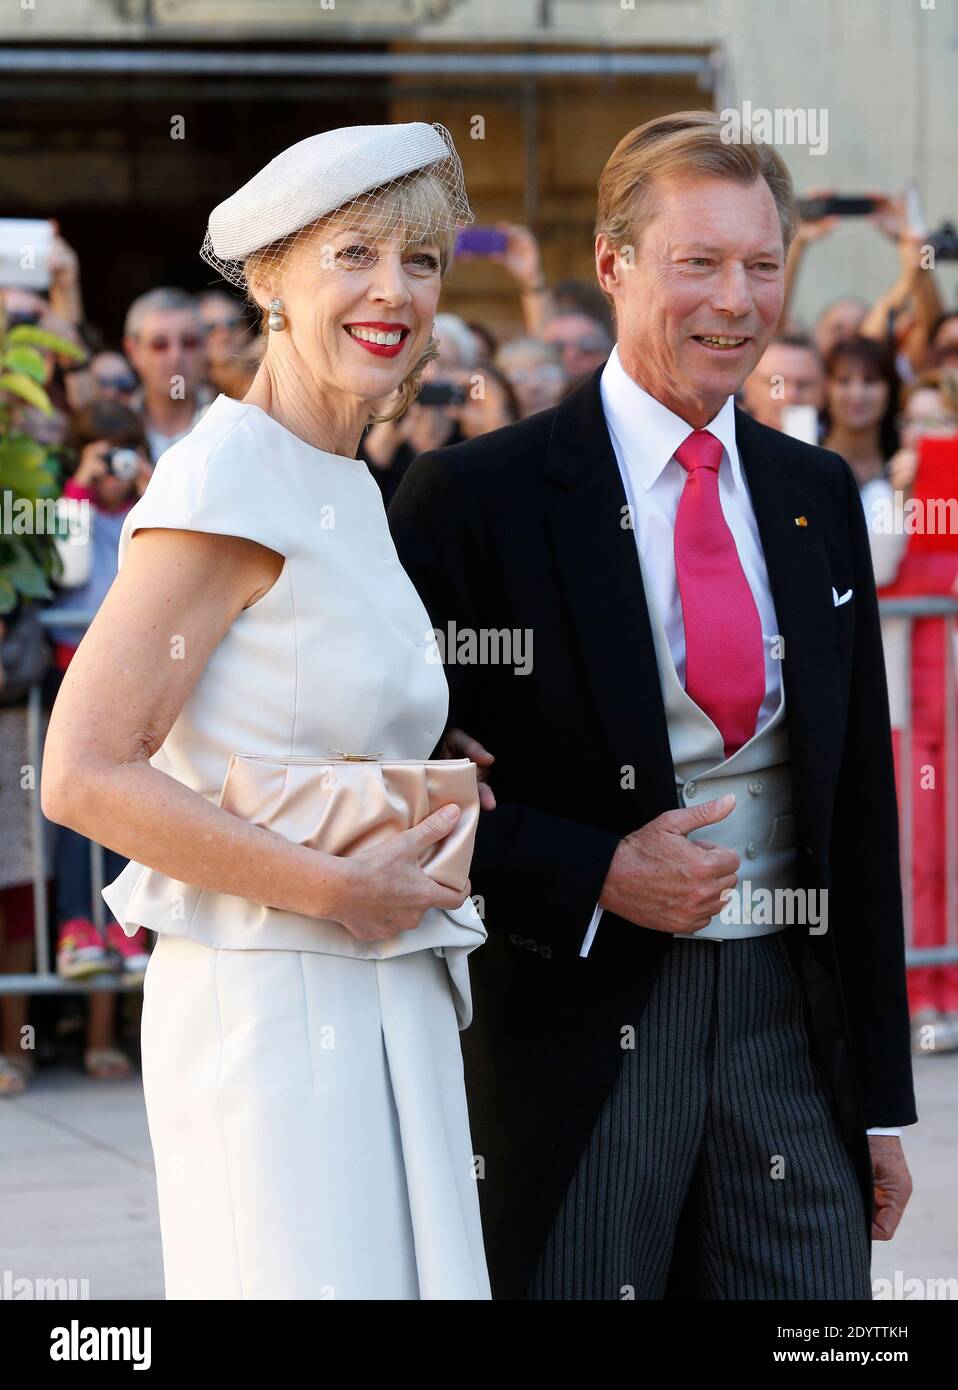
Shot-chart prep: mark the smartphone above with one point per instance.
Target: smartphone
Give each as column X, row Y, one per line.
column 914, row 212
column 25, row 253
column 800, row 422
column 814, row 209
column 481, row 241
column 442, row 393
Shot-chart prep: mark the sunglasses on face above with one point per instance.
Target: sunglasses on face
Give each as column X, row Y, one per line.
column 928, row 424
column 224, row 325
column 544, row 374
column 580, row 345
column 162, row 342
column 124, row 384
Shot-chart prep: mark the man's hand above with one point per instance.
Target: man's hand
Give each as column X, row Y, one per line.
column 62, row 262
column 809, row 232
column 458, row 744
column 893, row 1184
column 660, row 879
column 889, row 215
column 521, row 258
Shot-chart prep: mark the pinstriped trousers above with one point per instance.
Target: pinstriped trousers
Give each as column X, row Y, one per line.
column 715, row 1169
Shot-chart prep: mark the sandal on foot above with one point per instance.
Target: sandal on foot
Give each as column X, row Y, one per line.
column 106, row 1063
column 13, row 1075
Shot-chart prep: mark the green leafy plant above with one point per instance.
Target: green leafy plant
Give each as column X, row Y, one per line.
column 29, row 469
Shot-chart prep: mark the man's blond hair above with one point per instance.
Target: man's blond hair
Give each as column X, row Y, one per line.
column 688, row 142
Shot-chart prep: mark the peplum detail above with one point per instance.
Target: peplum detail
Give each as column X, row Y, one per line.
column 337, row 654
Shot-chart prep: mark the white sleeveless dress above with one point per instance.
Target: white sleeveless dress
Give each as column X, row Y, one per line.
column 304, row 1090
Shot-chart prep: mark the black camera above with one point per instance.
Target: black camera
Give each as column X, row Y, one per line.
column 442, row 393
column 944, row 242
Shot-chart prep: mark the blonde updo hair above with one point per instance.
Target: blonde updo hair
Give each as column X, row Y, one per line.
column 419, row 201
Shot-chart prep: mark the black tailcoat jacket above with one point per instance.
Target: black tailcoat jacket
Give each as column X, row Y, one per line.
column 526, row 529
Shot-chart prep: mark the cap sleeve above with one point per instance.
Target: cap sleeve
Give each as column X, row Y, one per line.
column 214, row 481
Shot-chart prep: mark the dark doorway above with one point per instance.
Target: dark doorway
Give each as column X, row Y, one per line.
column 130, row 165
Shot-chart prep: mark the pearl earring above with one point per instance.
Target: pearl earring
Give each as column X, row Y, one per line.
column 277, row 319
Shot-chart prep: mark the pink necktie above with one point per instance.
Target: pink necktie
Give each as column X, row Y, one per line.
column 724, row 650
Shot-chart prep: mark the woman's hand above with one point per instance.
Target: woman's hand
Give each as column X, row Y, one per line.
column 388, row 892
column 485, row 407
column 92, row 466
column 458, row 744
column 902, row 468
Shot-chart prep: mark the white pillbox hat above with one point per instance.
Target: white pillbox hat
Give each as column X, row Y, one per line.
column 322, row 173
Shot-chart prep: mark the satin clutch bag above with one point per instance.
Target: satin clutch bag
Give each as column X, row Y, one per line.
column 345, row 803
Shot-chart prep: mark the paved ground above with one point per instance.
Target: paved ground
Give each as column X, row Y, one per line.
column 77, row 1194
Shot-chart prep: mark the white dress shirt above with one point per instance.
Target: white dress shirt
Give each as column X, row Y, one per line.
column 645, row 435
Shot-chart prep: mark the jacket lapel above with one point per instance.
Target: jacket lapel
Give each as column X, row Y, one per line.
column 595, row 552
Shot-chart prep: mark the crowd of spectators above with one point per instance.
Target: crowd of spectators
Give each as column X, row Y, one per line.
column 870, row 382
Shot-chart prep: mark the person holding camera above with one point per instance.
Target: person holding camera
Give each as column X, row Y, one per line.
column 112, row 473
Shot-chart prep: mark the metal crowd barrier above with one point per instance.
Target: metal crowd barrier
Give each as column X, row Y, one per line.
column 46, row 981
column 911, row 609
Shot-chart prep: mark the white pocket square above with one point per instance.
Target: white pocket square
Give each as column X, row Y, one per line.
column 843, row 599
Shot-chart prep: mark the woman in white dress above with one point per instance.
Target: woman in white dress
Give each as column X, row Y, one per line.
column 305, row 1100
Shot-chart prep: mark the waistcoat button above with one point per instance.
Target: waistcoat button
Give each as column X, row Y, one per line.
column 690, row 789
column 756, row 787
column 751, row 849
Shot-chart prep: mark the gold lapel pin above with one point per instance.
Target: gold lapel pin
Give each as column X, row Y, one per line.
column 801, row 521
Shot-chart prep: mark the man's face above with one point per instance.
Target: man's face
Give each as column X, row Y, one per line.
column 536, row 377
column 224, row 328
column 785, row 376
column 583, row 344
column 927, row 413
column 169, row 345
column 114, row 378
column 697, row 309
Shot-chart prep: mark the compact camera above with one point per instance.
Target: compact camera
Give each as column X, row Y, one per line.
column 123, row 463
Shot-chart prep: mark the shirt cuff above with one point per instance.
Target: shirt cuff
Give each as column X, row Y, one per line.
column 895, row 1132
column 589, row 937
column 79, row 491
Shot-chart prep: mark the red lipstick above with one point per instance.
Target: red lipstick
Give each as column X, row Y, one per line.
column 380, row 349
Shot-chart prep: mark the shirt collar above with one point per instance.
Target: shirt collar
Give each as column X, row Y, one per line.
column 647, row 432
